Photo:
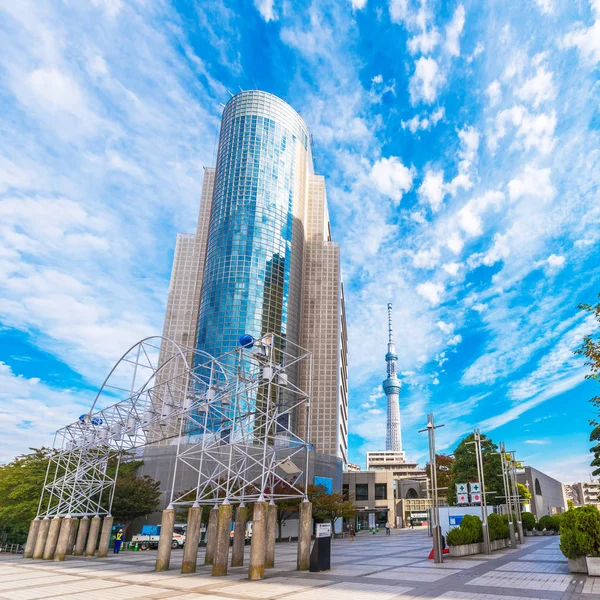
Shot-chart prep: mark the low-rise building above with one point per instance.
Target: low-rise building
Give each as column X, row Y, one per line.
column 547, row 494
column 585, row 492
column 353, row 467
column 395, row 461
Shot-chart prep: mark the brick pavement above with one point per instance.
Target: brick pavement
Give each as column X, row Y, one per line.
column 370, row 568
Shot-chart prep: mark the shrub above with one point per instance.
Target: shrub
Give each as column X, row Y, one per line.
column 539, row 526
column 528, row 521
column 556, row 519
column 580, row 532
column 470, row 531
column 457, row 537
column 546, row 522
column 498, row 527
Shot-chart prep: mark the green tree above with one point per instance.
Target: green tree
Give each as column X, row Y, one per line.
column 134, row 496
column 20, row 485
column 590, row 349
column 330, row 506
column 464, row 469
column 443, row 467
column 524, row 493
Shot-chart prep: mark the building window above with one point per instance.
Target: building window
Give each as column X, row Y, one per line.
column 346, row 491
column 381, row 491
column 362, row 491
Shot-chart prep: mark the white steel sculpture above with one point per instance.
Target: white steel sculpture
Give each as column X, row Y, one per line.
column 231, row 417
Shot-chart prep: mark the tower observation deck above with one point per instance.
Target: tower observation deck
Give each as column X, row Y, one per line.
column 391, row 387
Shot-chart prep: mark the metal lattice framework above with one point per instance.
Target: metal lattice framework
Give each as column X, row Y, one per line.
column 231, row 418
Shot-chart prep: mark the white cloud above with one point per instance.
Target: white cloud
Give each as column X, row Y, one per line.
column 546, row 7
column 500, row 250
column 424, row 123
column 377, row 79
column 470, row 216
column 538, row 89
column 454, row 30
column 431, row 189
column 455, row 243
column 533, row 183
column 432, row 292
column 267, row 11
column 391, row 177
column 426, row 81
column 469, row 144
column 427, row 259
column 587, row 41
column 555, row 261
column 111, row 7
column 425, row 42
column 532, row 131
column 451, row 268
column 537, row 442
column 447, row 328
column 494, row 91
column 358, row 4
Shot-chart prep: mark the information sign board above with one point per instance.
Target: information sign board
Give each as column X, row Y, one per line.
column 323, row 530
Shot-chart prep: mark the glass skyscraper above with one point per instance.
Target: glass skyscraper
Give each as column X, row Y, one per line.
column 262, row 259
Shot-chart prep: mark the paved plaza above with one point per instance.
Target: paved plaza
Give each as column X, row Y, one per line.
column 370, row 568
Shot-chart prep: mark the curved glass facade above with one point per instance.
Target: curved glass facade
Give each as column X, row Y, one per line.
column 253, row 268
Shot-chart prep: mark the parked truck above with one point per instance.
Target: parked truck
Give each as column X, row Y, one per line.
column 150, row 536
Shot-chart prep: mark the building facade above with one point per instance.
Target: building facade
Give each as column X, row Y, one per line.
column 396, row 463
column 263, row 260
column 585, row 492
column 548, row 495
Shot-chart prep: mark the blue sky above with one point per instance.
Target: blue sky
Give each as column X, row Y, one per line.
column 460, row 144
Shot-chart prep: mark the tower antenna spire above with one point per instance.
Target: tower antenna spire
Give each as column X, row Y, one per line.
column 391, row 387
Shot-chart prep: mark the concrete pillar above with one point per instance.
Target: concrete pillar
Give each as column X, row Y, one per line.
column 520, row 531
column 271, row 535
column 221, row 557
column 511, row 535
column 52, row 538
column 304, row 535
column 40, row 542
column 84, row 525
column 34, row 527
column 192, row 536
column 72, row 537
column 258, row 546
column 107, row 524
column 239, row 537
column 211, row 535
column 63, row 538
column 163, row 555
column 92, row 540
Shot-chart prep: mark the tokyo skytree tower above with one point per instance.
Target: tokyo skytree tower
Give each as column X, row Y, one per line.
column 391, row 387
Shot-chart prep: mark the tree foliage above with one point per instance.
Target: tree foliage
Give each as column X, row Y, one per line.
column 464, row 469
column 330, row 506
column 524, row 493
column 590, row 349
column 443, row 468
column 21, row 483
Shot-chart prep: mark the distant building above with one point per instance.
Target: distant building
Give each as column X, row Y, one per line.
column 547, row 494
column 585, row 492
column 396, row 463
column 353, row 468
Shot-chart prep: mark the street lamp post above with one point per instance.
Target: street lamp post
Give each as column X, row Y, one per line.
column 435, row 513
column 508, row 494
column 517, row 496
column 484, row 521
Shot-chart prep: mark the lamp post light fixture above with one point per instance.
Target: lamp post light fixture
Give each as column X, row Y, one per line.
column 435, row 512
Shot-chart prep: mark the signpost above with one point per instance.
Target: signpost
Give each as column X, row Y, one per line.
column 474, row 487
column 462, row 498
column 476, row 498
column 320, row 556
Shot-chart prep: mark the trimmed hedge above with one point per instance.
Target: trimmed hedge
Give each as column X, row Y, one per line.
column 498, row 527
column 580, row 532
column 528, row 521
column 546, row 522
column 470, row 531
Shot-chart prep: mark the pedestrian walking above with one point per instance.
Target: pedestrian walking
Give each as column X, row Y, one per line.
column 351, row 532
column 388, row 529
column 118, row 542
column 412, row 523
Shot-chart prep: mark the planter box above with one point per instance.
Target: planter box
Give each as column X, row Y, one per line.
column 548, row 532
column 536, row 532
column 499, row 544
column 529, row 533
column 466, row 549
column 577, row 565
column 593, row 565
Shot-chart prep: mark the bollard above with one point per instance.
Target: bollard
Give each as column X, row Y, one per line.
column 84, row 525
column 211, row 535
column 304, row 535
column 52, row 538
column 221, row 557
column 163, row 555
column 64, row 536
column 92, row 540
column 239, row 536
column 271, row 534
column 34, row 527
column 42, row 535
column 192, row 536
column 107, row 524
column 72, row 537
column 257, row 547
